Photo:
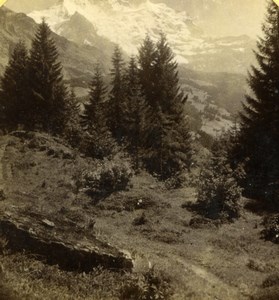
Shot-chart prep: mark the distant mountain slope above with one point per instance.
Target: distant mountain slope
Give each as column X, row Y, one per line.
column 78, row 60
column 212, row 96
column 223, row 17
column 127, row 22
column 216, row 17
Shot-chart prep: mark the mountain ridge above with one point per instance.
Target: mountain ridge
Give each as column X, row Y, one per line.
column 78, row 60
column 215, row 17
column 127, row 25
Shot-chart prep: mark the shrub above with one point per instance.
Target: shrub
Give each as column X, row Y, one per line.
column 98, row 146
column 108, row 177
column 271, row 231
column 175, row 182
column 270, row 281
column 218, row 191
column 150, row 286
column 73, row 135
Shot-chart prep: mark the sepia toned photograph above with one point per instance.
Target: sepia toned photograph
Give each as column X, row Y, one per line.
column 139, row 149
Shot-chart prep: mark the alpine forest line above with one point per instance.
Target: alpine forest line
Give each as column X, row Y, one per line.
column 140, row 113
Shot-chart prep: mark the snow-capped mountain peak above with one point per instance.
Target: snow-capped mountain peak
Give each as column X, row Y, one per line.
column 127, row 23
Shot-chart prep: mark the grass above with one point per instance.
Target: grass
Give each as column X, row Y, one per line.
column 24, row 277
column 194, row 261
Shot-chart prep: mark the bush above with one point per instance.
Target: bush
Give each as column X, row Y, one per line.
column 108, row 177
column 218, row 191
column 150, row 286
column 175, row 182
column 270, row 281
column 73, row 135
column 271, row 231
column 97, row 145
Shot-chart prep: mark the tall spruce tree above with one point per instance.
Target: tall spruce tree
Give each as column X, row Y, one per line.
column 135, row 113
column 98, row 141
column 169, row 137
column 146, row 58
column 94, row 111
column 259, row 134
column 49, row 93
column 117, row 96
column 73, row 131
column 14, row 94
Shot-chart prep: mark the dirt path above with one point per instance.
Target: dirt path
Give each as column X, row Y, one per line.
column 214, row 285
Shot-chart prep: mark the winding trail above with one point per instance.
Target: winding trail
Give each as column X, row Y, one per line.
column 227, row 291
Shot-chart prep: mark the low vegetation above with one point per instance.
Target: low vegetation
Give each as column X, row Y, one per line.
column 124, row 162
column 107, row 178
column 218, row 191
column 271, row 230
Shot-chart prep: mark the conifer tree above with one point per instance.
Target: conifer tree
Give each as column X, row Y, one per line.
column 94, row 112
column 73, row 131
column 49, row 93
column 135, row 113
column 259, row 134
column 97, row 140
column 146, row 58
column 218, row 191
column 169, row 137
column 117, row 96
column 14, row 90
column 72, row 105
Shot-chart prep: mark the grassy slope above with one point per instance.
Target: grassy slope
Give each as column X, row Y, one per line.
column 228, row 262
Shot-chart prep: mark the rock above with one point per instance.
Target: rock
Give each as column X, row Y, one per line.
column 68, row 256
column 48, row 223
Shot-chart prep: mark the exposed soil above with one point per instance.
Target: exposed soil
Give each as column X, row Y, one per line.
column 229, row 261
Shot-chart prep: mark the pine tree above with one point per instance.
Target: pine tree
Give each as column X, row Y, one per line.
column 260, row 119
column 135, row 114
column 146, row 58
column 73, row 130
column 94, row 111
column 169, row 137
column 14, row 90
column 72, row 106
column 97, row 139
column 218, row 191
column 117, row 96
column 49, row 93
